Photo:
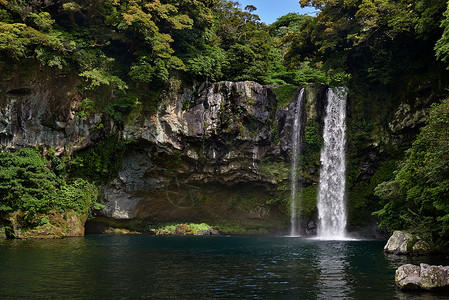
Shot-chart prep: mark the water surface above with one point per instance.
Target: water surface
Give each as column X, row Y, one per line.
column 195, row 267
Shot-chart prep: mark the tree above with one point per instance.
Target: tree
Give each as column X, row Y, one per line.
column 416, row 199
column 244, row 39
column 27, row 184
column 366, row 37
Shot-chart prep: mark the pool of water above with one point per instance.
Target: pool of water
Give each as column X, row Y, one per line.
column 198, row 267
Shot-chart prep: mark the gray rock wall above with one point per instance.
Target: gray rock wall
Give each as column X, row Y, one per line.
column 39, row 109
column 219, row 139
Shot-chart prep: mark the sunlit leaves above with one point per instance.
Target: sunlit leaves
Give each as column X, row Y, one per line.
column 208, row 62
column 97, row 77
column 17, row 39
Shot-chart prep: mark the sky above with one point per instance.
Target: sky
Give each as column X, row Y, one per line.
column 270, row 10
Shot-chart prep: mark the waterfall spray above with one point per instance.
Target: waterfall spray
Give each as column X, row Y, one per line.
column 331, row 197
column 296, row 152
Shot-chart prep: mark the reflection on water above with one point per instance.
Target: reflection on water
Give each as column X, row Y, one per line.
column 332, row 263
column 129, row 267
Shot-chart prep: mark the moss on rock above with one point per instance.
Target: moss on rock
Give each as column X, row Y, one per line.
column 285, row 94
column 45, row 226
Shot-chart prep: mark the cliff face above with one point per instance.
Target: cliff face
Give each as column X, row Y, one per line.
column 205, row 156
column 38, row 108
column 220, row 152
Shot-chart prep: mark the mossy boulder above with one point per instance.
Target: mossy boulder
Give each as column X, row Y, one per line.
column 406, row 243
column 185, row 229
column 45, row 226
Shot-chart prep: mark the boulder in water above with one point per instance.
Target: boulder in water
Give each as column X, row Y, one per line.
column 406, row 243
column 424, row 277
column 311, row 228
column 209, row 231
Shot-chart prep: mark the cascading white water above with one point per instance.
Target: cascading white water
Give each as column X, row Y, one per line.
column 331, row 197
column 296, row 152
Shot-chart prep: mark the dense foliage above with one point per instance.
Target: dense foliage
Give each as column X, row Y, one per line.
column 27, row 183
column 368, row 38
column 128, row 52
column 417, row 198
column 131, row 49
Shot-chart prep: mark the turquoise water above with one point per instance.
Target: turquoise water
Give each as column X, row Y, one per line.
column 195, row 267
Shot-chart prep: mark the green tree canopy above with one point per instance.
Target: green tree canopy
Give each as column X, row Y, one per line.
column 417, row 198
column 27, row 183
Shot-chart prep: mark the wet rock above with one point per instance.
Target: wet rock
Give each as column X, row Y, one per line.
column 424, row 277
column 217, row 135
column 183, row 229
column 407, row 116
column 311, row 228
column 421, row 248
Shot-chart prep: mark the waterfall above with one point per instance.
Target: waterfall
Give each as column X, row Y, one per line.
column 331, row 197
column 296, row 152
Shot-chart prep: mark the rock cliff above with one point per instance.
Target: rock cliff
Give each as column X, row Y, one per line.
column 205, row 156
column 214, row 152
column 38, row 107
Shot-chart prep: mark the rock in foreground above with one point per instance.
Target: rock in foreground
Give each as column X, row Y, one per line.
column 424, row 276
column 405, row 243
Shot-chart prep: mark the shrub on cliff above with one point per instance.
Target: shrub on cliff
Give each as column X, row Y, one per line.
column 417, row 198
column 29, row 185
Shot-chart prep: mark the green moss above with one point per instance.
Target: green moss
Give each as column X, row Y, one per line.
column 312, row 144
column 51, row 224
column 361, row 200
column 2, row 231
column 235, row 227
column 251, row 123
column 284, row 94
column 101, row 161
column 247, row 200
column 172, row 164
column 278, row 171
column 274, row 130
column 308, row 207
column 179, row 228
column 361, row 139
column 120, row 231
